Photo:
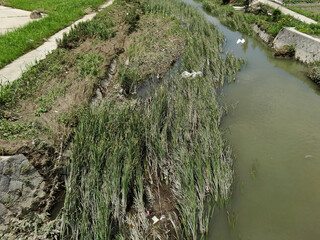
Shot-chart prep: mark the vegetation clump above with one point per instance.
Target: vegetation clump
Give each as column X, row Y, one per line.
column 286, row 51
column 131, row 159
column 163, row 155
column 268, row 19
column 314, row 72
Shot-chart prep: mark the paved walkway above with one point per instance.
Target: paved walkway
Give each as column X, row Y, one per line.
column 286, row 11
column 11, row 18
column 14, row 70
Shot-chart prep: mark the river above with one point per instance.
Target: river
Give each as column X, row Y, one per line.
column 274, row 133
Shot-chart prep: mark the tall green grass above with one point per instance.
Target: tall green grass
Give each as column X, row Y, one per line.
column 171, row 137
column 107, row 163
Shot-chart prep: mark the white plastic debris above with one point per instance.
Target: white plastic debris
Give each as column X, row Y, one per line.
column 186, row 74
column 196, row 74
column 242, row 41
column 162, row 217
column 155, row 219
column 193, row 74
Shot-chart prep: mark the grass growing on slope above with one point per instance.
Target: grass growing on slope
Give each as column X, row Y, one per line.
column 39, row 110
column 268, row 19
column 106, row 168
column 125, row 153
column 300, row 1
column 61, row 13
column 47, row 100
column 312, row 11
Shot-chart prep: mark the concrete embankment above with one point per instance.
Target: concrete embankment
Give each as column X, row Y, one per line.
column 307, row 47
column 267, row 38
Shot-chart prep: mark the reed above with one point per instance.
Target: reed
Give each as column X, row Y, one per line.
column 172, row 137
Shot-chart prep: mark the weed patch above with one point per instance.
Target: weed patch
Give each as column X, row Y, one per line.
column 92, row 29
column 163, row 155
column 268, row 19
column 314, row 72
column 126, row 152
column 89, row 64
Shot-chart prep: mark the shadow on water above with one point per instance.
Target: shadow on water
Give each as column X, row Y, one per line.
column 275, row 136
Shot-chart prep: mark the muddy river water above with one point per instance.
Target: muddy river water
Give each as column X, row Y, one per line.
column 274, row 131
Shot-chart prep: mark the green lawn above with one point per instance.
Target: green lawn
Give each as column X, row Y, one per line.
column 61, row 13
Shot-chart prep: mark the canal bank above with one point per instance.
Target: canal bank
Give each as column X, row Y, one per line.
column 274, row 134
column 293, row 38
column 135, row 168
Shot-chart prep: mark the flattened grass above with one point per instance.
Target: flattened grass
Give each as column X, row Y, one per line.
column 172, row 137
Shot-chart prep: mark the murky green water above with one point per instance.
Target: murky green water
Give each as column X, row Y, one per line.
column 275, row 135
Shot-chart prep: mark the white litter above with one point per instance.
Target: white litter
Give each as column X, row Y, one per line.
column 193, row 74
column 186, row 74
column 162, row 217
column 155, row 220
column 242, row 41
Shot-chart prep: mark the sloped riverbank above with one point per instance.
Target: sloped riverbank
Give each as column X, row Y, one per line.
column 129, row 161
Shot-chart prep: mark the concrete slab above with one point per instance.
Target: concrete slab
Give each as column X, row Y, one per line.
column 11, row 19
column 13, row 12
column 14, row 70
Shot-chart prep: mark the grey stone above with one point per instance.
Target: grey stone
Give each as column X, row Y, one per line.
column 3, row 210
column 36, row 181
column 4, row 183
column 20, row 190
column 262, row 34
column 35, row 15
column 4, row 196
column 14, row 186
